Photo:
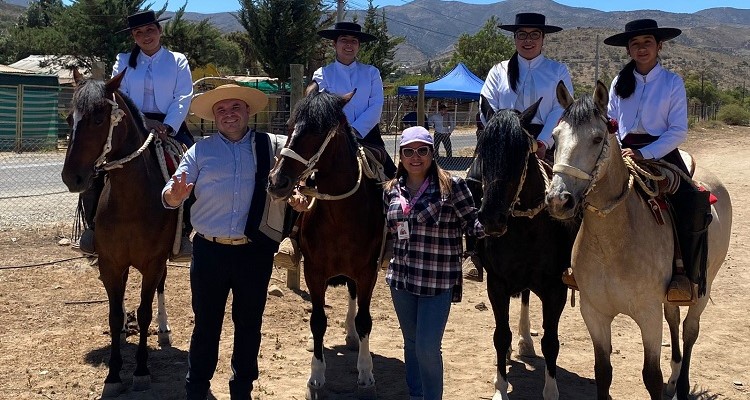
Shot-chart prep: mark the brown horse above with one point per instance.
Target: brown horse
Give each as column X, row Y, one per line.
column 132, row 225
column 622, row 256
column 340, row 236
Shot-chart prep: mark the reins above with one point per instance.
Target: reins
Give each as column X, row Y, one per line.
column 531, row 212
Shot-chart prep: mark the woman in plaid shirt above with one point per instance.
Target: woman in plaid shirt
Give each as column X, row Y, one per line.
column 427, row 213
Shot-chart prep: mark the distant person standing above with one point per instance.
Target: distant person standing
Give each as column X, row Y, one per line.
column 443, row 124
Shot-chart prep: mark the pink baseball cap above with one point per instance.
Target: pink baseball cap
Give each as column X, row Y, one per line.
column 416, row 134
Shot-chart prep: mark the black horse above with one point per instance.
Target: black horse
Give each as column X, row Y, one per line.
column 526, row 249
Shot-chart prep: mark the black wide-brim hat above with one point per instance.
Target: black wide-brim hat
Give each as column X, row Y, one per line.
column 142, row 19
column 347, row 28
column 531, row 20
column 640, row 27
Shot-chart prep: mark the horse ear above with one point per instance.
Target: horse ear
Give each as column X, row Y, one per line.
column 77, row 76
column 312, row 88
column 601, row 97
column 528, row 114
column 347, row 97
column 114, row 83
column 563, row 95
column 485, row 108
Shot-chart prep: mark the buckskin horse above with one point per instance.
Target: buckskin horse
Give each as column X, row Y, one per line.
column 340, row 236
column 622, row 256
column 525, row 247
column 132, row 226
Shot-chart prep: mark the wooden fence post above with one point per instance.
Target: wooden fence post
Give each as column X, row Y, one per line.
column 295, row 95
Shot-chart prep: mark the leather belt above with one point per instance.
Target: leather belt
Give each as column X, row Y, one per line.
column 225, row 240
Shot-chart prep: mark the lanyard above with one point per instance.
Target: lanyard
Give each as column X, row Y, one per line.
column 406, row 206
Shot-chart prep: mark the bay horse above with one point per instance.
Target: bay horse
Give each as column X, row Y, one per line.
column 622, row 256
column 525, row 248
column 132, row 226
column 340, row 236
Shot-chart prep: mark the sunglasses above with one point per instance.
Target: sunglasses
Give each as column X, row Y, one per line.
column 422, row 151
column 535, row 35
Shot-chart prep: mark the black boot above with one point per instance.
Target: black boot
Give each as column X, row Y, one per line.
column 693, row 215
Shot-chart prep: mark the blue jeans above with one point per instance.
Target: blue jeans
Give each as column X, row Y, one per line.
column 216, row 270
column 422, row 320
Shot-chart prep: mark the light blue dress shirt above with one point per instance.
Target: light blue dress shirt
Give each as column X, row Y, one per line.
column 363, row 110
column 224, row 176
column 658, row 105
column 545, row 74
column 172, row 83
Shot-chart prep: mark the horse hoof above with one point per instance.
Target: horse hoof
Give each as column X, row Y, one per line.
column 141, row 383
column 367, row 392
column 112, row 389
column 314, row 393
column 352, row 342
column 165, row 339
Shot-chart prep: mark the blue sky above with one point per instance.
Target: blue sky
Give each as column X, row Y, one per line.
column 682, row 6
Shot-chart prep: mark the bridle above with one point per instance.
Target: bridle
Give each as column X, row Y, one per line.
column 530, row 212
column 115, row 116
column 594, row 176
column 310, row 168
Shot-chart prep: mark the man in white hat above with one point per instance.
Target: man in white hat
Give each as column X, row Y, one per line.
column 237, row 230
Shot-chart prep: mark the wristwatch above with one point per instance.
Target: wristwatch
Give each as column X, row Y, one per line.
column 171, row 131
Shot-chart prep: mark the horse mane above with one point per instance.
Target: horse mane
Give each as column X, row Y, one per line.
column 504, row 145
column 91, row 96
column 581, row 111
column 320, row 112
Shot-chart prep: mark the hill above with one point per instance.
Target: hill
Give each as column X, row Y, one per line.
column 9, row 14
column 715, row 40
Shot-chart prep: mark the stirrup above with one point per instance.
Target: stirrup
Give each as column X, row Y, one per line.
column 681, row 291
column 288, row 255
column 473, row 268
column 569, row 280
column 85, row 245
column 186, row 251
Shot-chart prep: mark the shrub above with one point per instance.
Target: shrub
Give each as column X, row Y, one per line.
column 734, row 114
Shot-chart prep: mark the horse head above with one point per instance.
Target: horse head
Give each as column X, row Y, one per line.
column 503, row 155
column 583, row 146
column 312, row 142
column 93, row 116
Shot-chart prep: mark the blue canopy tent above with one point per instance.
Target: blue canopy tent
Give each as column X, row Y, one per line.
column 459, row 83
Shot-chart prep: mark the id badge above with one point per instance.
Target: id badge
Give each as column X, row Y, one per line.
column 403, row 230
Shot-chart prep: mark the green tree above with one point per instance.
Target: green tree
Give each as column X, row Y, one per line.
column 90, row 27
column 40, row 14
column 201, row 42
column 381, row 51
column 701, row 88
column 282, row 32
column 484, row 49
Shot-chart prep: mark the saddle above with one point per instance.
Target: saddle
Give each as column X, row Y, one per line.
column 690, row 210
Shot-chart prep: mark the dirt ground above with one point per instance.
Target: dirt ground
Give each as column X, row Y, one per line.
column 54, row 342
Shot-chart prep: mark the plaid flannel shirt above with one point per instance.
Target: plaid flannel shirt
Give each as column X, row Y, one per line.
column 429, row 261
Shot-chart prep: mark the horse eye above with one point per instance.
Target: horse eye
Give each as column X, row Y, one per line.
column 598, row 139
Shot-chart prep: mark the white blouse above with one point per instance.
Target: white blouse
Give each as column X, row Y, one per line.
column 545, row 75
column 363, row 110
column 658, row 105
column 172, row 83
